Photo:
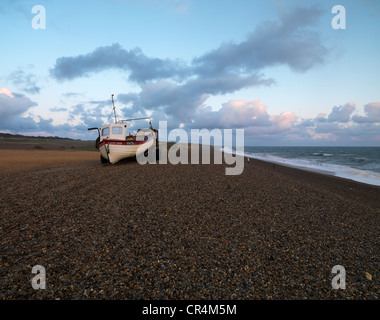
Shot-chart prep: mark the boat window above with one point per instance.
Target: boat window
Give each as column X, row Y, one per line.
column 105, row 131
column 143, row 133
column 117, row 130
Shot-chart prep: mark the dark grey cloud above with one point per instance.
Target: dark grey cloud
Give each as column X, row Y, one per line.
column 288, row 41
column 227, row 83
column 128, row 98
column 48, row 126
column 13, row 106
column 141, row 67
column 328, row 127
column 19, row 124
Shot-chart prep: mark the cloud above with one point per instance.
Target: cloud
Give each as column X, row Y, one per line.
column 260, row 125
column 228, row 68
column 141, row 67
column 227, row 83
column 182, row 100
column 179, row 101
column 90, row 113
column 127, row 98
column 180, row 90
column 19, row 124
column 71, row 94
column 252, row 116
column 232, row 114
column 346, row 134
column 340, row 126
column 26, row 82
column 6, row 92
column 58, row 109
column 285, row 120
column 263, row 128
column 372, row 111
column 177, row 91
column 341, row 113
column 328, row 127
column 288, row 42
column 12, row 107
column 13, row 104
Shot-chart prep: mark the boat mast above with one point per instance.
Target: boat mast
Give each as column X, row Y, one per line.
column 114, row 110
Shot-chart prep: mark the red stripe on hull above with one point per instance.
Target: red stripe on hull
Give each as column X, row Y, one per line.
column 122, row 142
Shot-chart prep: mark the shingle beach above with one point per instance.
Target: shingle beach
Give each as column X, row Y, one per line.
column 131, row 231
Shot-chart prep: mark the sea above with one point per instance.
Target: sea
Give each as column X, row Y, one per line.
column 360, row 164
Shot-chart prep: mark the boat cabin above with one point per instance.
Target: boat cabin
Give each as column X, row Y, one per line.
column 113, row 132
column 118, row 132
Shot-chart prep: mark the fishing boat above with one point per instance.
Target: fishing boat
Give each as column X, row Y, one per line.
column 115, row 144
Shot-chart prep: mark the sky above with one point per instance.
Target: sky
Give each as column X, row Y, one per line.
column 288, row 72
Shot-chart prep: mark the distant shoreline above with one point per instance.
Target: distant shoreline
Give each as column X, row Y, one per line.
column 17, row 143
column 29, row 154
column 20, row 142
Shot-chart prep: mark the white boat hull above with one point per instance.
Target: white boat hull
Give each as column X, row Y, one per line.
column 115, row 151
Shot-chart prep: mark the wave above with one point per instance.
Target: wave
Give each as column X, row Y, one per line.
column 342, row 171
column 322, row 154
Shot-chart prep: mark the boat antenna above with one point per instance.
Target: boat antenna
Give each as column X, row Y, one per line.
column 114, row 110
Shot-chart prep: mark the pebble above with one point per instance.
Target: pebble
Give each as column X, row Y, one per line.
column 130, row 231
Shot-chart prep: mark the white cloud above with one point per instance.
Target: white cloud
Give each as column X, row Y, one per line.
column 7, row 92
column 285, row 120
